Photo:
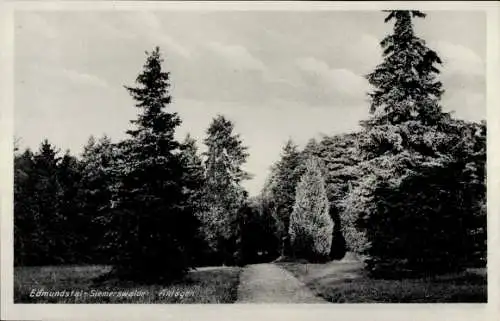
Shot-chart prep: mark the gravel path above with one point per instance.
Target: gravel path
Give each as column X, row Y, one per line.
column 268, row 283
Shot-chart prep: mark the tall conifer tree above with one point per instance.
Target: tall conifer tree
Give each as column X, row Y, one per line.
column 406, row 84
column 46, row 209
column 224, row 195
column 153, row 232
column 286, row 177
column 409, row 201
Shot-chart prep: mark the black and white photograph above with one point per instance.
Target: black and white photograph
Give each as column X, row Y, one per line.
column 232, row 156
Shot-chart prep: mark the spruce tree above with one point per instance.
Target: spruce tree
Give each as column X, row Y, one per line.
column 151, row 230
column 224, row 195
column 407, row 206
column 311, row 226
column 406, row 84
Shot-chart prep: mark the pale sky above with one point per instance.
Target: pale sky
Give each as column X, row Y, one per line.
column 276, row 75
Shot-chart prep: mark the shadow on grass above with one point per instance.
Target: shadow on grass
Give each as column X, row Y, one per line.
column 95, row 284
column 346, row 282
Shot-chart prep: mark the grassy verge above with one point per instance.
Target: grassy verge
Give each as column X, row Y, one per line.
column 345, row 282
column 77, row 284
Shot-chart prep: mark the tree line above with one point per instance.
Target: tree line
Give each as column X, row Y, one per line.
column 151, row 206
column 406, row 192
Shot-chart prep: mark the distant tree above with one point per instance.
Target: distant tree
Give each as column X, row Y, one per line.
column 265, row 196
column 69, row 178
column 311, row 149
column 46, row 204
column 224, row 195
column 97, row 189
column 266, row 204
column 193, row 185
column 46, row 213
column 194, row 173
column 468, row 153
column 258, row 236
column 311, row 226
column 340, row 158
column 286, row 175
column 24, row 209
column 152, row 232
column 477, row 188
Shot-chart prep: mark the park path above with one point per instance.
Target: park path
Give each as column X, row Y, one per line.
column 269, row 283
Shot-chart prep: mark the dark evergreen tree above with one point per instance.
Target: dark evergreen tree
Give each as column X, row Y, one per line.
column 406, row 84
column 340, row 158
column 25, row 250
column 194, row 174
column 69, row 177
column 267, row 207
column 46, row 207
column 96, row 193
column 468, row 154
column 476, row 168
column 258, row 233
column 151, row 232
column 224, row 195
column 406, row 213
column 194, row 184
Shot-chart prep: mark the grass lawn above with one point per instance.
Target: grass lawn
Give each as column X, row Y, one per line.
column 77, row 284
column 344, row 282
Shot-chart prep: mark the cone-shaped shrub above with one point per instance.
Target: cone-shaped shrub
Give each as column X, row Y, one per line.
column 311, row 226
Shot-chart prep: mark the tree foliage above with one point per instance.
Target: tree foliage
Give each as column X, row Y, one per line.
column 339, row 157
column 223, row 193
column 311, row 226
column 98, row 179
column 406, row 84
column 24, row 209
column 45, row 206
column 150, row 232
column 285, row 176
column 407, row 192
column 194, row 174
column 259, row 241
column 411, row 207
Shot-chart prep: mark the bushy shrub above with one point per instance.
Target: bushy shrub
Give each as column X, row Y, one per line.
column 413, row 222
